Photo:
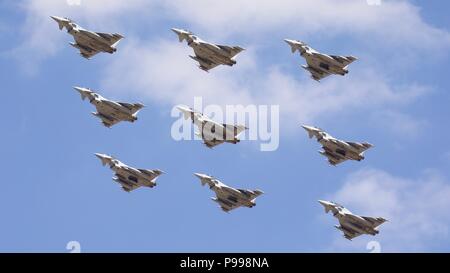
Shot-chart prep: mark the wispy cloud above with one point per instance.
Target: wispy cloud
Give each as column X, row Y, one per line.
column 41, row 37
column 400, row 124
column 417, row 209
column 260, row 18
column 161, row 71
column 255, row 20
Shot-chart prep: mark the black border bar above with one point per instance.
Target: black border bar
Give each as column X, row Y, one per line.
column 218, row 262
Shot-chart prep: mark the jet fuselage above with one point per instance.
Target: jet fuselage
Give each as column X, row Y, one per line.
column 342, row 148
column 88, row 39
column 133, row 176
column 212, row 51
column 232, row 195
column 325, row 63
column 211, row 130
column 114, row 110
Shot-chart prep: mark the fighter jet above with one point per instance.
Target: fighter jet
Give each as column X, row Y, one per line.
column 337, row 151
column 208, row 55
column 352, row 225
column 110, row 112
column 321, row 65
column 88, row 42
column 227, row 197
column 212, row 133
column 128, row 177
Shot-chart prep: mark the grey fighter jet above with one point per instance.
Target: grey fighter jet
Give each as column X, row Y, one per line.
column 208, row 55
column 88, row 42
column 321, row 65
column 227, row 197
column 337, row 151
column 352, row 225
column 128, row 177
column 110, row 112
column 212, row 133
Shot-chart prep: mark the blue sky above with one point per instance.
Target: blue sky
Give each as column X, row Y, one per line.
column 54, row 190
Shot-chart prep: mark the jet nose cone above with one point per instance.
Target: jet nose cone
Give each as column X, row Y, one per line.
column 99, row 155
column 180, row 107
column 56, row 18
column 323, row 203
column 307, row 128
column 59, row 19
column 183, row 108
column 199, row 175
column 176, row 30
column 79, row 89
column 289, row 41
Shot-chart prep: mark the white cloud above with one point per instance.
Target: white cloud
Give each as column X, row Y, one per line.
column 162, row 71
column 393, row 22
column 41, row 37
column 255, row 20
column 399, row 123
column 417, row 209
column 365, row 89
